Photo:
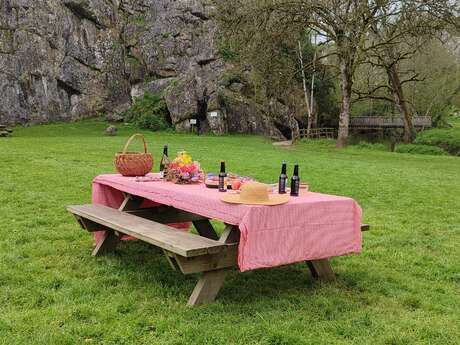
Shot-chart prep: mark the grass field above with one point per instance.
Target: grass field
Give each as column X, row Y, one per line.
column 403, row 289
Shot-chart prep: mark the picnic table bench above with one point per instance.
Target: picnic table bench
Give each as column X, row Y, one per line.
column 205, row 252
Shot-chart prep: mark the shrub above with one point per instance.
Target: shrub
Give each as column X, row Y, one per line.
column 421, row 149
column 447, row 139
column 441, row 114
column 226, row 52
column 231, row 77
column 149, row 112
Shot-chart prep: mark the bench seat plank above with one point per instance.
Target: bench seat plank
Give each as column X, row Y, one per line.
column 160, row 235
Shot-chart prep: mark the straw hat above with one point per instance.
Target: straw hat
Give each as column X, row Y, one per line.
column 255, row 193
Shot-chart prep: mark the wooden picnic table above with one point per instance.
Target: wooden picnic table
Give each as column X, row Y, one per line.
column 206, row 252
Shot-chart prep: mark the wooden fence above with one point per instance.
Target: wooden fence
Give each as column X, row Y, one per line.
column 4, row 131
column 318, row 133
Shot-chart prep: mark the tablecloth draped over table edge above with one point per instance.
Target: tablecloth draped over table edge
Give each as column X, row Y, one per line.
column 309, row 227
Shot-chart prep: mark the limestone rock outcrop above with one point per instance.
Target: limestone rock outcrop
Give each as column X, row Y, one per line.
column 67, row 59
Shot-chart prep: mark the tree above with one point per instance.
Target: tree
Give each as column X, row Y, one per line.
column 267, row 47
column 380, row 32
column 309, row 99
column 343, row 23
column 404, row 29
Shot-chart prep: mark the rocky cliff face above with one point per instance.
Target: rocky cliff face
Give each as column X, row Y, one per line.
column 66, row 59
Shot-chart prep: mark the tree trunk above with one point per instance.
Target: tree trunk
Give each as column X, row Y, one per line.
column 295, row 130
column 401, row 104
column 346, row 77
column 305, row 91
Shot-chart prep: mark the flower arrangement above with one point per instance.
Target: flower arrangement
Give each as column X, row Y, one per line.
column 184, row 170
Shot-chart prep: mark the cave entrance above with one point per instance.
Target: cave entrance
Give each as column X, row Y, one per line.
column 167, row 115
column 202, row 124
column 286, row 131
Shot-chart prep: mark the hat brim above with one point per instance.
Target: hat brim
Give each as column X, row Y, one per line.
column 273, row 199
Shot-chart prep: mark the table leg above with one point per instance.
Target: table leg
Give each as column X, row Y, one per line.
column 130, row 202
column 210, row 283
column 207, row 287
column 321, row 270
column 107, row 243
column 205, row 229
column 110, row 239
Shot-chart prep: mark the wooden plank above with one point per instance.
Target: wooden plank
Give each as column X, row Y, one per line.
column 205, row 229
column 317, row 133
column 160, row 235
column 388, row 122
column 166, row 215
column 106, row 244
column 131, row 202
column 207, row 288
column 225, row 259
column 89, row 225
column 171, row 257
column 321, row 270
column 231, row 234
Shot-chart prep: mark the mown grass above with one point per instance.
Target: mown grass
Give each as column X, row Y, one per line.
column 403, row 288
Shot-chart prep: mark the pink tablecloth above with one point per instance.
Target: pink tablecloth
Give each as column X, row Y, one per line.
column 311, row 226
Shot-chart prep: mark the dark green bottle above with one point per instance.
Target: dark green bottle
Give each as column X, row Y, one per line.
column 164, row 162
column 282, row 182
column 222, row 178
column 295, row 181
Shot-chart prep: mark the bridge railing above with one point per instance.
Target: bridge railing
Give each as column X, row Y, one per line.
column 381, row 121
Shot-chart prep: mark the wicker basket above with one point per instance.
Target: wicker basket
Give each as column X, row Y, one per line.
column 134, row 163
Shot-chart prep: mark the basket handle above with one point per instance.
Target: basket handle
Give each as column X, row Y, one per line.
column 131, row 139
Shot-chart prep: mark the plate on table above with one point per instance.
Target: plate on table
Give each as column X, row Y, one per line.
column 212, row 180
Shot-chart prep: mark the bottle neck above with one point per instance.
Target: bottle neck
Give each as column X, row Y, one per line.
column 222, row 167
column 296, row 170
column 165, row 150
column 283, row 169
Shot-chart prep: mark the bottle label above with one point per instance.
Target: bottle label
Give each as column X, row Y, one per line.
column 295, row 187
column 282, row 185
column 222, row 184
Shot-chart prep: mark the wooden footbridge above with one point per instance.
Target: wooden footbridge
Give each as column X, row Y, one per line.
column 379, row 122
column 367, row 123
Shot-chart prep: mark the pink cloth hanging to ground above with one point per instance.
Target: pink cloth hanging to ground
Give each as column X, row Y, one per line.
column 309, row 227
column 111, row 197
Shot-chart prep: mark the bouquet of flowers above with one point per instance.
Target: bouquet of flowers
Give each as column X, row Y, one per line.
column 184, row 170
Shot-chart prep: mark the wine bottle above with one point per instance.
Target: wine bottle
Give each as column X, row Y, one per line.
column 164, row 162
column 222, row 178
column 295, row 181
column 282, row 180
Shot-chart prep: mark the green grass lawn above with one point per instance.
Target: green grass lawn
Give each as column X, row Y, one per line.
column 403, row 288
